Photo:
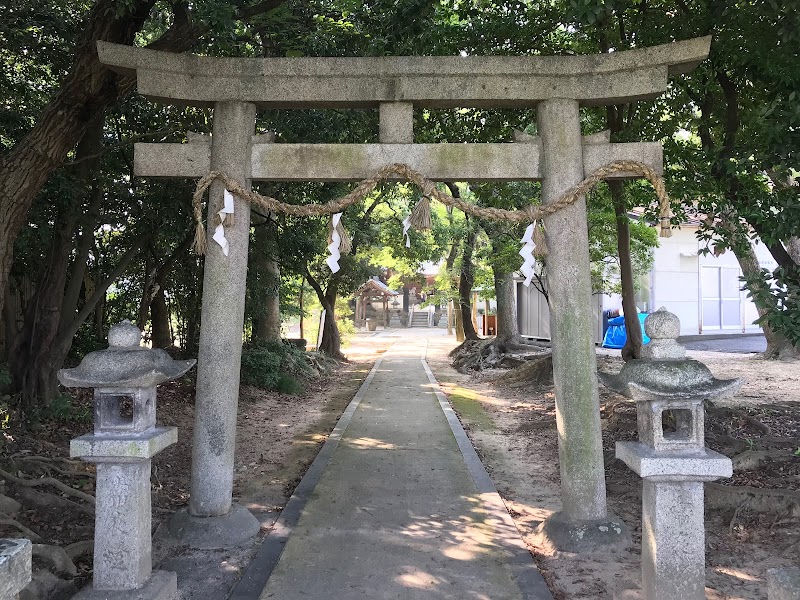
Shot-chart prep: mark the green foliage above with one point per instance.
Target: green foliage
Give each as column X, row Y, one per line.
column 64, row 408
column 780, row 291
column 603, row 245
column 274, row 366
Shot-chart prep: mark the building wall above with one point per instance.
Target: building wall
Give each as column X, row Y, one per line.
column 533, row 314
column 674, row 280
column 702, row 289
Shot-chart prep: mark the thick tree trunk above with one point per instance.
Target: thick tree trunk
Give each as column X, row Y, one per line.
column 465, row 284
column 159, row 317
column 331, row 343
column 633, row 343
column 793, row 248
column 87, row 90
column 507, row 326
column 267, row 325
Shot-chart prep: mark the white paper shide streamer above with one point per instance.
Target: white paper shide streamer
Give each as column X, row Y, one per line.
column 336, row 241
column 406, row 227
column 526, row 252
column 219, row 232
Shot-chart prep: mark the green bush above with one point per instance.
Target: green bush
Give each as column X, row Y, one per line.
column 275, row 366
column 66, row 409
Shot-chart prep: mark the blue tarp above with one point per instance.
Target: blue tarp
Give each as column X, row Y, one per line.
column 616, row 335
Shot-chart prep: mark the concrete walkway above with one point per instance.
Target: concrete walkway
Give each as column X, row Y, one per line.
column 403, row 509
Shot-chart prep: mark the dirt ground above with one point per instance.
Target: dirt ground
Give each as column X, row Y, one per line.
column 746, row 534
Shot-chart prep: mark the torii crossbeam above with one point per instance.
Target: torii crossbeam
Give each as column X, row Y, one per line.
column 556, row 86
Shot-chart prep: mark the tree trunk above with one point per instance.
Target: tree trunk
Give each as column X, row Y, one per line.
column 633, row 328
column 148, row 293
column 450, row 317
column 465, row 284
column 331, row 343
column 458, row 318
column 793, row 248
column 778, row 346
column 507, row 326
column 159, row 317
column 267, row 325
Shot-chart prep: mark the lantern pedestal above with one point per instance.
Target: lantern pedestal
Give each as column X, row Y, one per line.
column 125, row 439
column 673, row 527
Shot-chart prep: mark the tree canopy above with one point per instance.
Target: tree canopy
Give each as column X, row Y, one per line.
column 80, row 231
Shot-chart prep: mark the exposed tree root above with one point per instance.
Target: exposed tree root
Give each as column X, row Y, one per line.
column 31, row 535
column 762, row 500
column 537, row 371
column 52, row 466
column 51, row 481
column 78, row 549
column 751, row 460
column 492, row 353
column 725, row 414
column 534, row 425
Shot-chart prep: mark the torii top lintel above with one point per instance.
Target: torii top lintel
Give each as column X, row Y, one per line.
column 425, row 81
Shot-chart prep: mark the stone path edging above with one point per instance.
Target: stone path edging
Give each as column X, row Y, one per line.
column 255, row 577
column 529, row 579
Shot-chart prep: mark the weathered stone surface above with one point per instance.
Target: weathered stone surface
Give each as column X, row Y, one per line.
column 124, row 363
column 353, row 162
column 124, row 334
column 663, row 329
column 669, row 379
column 396, row 123
column 15, row 566
column 567, row 535
column 660, row 466
column 673, row 541
column 162, row 585
column 171, row 160
column 120, row 448
column 122, row 546
column 220, row 347
column 583, row 492
column 433, row 81
column 662, row 325
column 783, row 583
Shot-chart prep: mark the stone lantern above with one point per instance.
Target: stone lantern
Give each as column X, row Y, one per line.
column 124, row 441
column 671, row 457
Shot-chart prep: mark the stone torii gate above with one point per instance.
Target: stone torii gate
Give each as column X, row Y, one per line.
column 556, row 86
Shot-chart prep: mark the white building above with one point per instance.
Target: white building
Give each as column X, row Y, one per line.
column 702, row 289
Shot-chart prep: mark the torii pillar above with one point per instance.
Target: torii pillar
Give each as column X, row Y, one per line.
column 583, row 521
column 220, row 349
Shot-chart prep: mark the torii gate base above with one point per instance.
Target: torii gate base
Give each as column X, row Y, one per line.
column 396, row 85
